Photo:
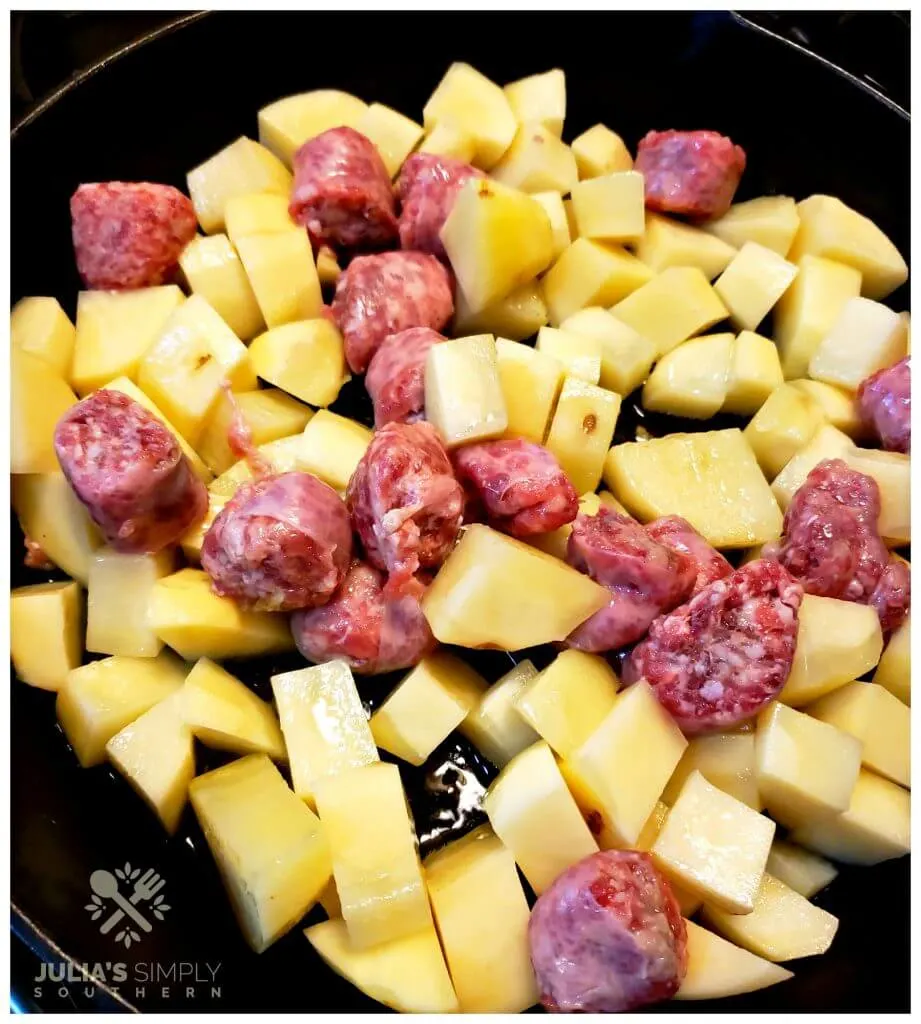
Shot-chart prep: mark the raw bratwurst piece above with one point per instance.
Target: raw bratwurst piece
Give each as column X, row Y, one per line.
column 373, row 631
column 523, row 488
column 884, row 401
column 281, row 543
column 607, row 936
column 678, row 535
column 129, row 471
column 716, row 661
column 129, row 234
column 342, row 192
column 396, row 376
column 385, row 294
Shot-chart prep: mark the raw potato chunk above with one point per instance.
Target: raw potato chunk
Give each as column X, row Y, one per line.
column 556, row 541
column 225, row 714
column 579, row 354
column 492, row 592
column 328, row 269
column 710, row 478
column 600, row 151
column 325, row 727
column 672, row 307
column 611, row 207
column 269, row 847
column 688, row 902
column 237, row 170
column 39, row 398
column 213, row 270
column 305, row 358
column 892, row 473
column 446, row 140
column 517, row 316
column 717, row 968
column 836, row 641
column 554, row 207
column 331, row 447
column 878, row 720
column 530, row 382
column 535, row 816
column 582, row 430
column 866, row 337
column 838, row 406
column 409, row 975
column 754, row 373
column 894, row 669
column 39, row 325
column 537, row 161
column 375, row 862
column 671, row 243
column 540, row 98
column 482, row 918
column 257, row 213
column 771, row 221
column 591, row 274
column 497, row 239
column 394, row 134
column 46, row 627
column 463, row 392
column 494, row 726
column 693, row 379
column 283, row 275
column 803, row 871
column 626, row 356
column 101, row 698
column 118, row 602
column 827, row 443
column 831, row 229
column 286, row 124
column 715, row 845
column 806, row 769
column 726, row 760
column 188, row 616
column 470, row 102
column 783, row 426
column 753, row 283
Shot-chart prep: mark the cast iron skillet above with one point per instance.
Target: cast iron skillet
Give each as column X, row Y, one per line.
column 158, row 110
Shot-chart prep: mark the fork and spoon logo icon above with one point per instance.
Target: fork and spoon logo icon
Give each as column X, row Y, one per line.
column 107, row 894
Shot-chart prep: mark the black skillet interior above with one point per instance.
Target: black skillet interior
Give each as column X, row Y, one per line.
column 163, row 107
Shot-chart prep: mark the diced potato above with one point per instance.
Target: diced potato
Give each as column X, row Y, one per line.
column 827, row 443
column 257, row 213
column 535, row 816
column 866, row 337
column 711, row 479
column 692, row 379
column 618, row 773
column 906, row 316
column 875, row 827
column 470, row 102
column 324, row 724
column 831, row 229
column 306, row 359
column 99, row 699
column 269, row 846
column 836, row 641
column 497, row 239
column 156, row 755
column 611, row 207
column 726, row 760
column 191, row 541
column 482, row 917
column 556, row 541
column 783, row 426
column 463, row 391
column 671, row 243
column 688, row 902
column 46, row 627
column 537, row 161
column 565, row 703
column 492, row 592
column 331, row 447
column 717, row 968
column 517, row 316
column 494, row 726
column 540, row 98
column 808, row 309
column 771, row 221
column 672, row 307
column 753, row 283
column 118, row 604
column 894, row 668
column 715, row 845
column 375, row 862
column 394, row 134
column 409, row 975
column 39, row 325
column 892, row 473
column 213, row 270
column 570, row 220
column 39, row 398
column 328, row 269
column 530, row 382
column 283, row 276
column 186, row 614
column 582, row 430
column 553, row 205
column 607, row 499
column 782, row 926
column 804, row 872
column 286, row 124
column 626, row 356
column 837, row 405
column 579, row 354
column 878, row 720
column 753, row 374
column 806, row 769
column 237, row 170
column 225, row 714
column 426, row 706
column 600, row 151
column 591, row 274
column 447, row 140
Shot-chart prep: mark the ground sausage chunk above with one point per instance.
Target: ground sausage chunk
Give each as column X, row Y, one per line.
column 607, row 936
column 342, row 192
column 694, row 174
column 281, row 543
column 129, row 234
column 129, row 471
column 523, row 488
column 678, row 535
column 373, row 631
column 405, row 502
column 884, row 401
column 396, row 376
column 645, row 578
column 716, row 661
column 891, row 599
column 387, row 293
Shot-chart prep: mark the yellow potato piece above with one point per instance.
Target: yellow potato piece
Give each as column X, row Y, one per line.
column 537, row 161
column 726, row 760
column 213, row 270
column 39, row 325
column 582, row 430
column 626, row 356
column 717, row 968
column 693, row 379
column 579, row 354
column 753, row 283
column 556, row 541
column 672, row 243
column 448, row 140
column 39, row 398
column 555, row 208
column 463, row 391
column 540, row 98
column 688, row 902
column 827, row 443
column 894, row 668
column 866, row 337
column 600, row 151
column 306, row 359
column 803, row 871
column 783, row 426
column 394, row 134
column 530, row 382
column 46, row 625
column 892, row 473
column 754, row 373
column 286, row 124
column 771, row 221
column 494, row 726
column 331, row 448
column 283, row 275
column 611, row 207
column 517, row 316
column 838, row 406
column 257, row 213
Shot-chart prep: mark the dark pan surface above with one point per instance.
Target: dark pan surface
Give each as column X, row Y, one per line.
column 163, row 107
